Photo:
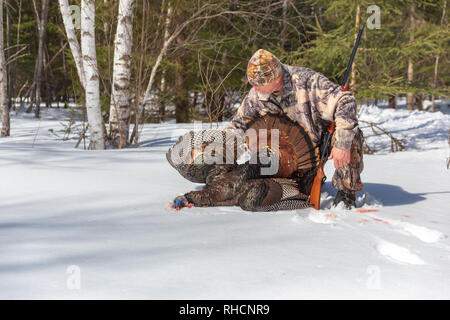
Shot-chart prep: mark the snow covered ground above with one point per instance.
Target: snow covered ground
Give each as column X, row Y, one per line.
column 95, row 224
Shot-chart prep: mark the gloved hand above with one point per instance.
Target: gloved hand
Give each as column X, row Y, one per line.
column 181, row 202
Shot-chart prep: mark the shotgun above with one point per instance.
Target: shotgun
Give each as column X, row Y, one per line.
column 325, row 144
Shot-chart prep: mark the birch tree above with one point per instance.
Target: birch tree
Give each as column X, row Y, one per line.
column 3, row 81
column 72, row 39
column 92, row 89
column 119, row 115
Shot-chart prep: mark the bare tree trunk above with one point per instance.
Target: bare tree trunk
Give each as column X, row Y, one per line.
column 284, row 23
column 92, row 89
column 48, row 74
column 119, row 114
column 65, row 78
column 434, row 85
column 410, row 73
column 419, row 101
column 392, row 102
column 182, row 105
column 139, row 72
column 357, row 19
column 11, row 92
column 316, row 19
column 436, row 63
column 40, row 58
column 106, row 28
column 15, row 69
column 181, row 101
column 162, row 106
column 32, row 93
column 3, row 81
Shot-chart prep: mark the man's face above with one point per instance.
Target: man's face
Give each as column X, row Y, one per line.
column 272, row 87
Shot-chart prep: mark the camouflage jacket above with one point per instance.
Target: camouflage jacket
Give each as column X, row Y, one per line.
column 309, row 98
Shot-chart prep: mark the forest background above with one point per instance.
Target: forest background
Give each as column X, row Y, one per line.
column 149, row 61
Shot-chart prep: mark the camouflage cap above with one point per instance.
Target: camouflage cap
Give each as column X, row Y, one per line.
column 263, row 68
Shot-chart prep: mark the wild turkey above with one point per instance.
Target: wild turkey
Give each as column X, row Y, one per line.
column 195, row 157
column 295, row 149
column 197, row 152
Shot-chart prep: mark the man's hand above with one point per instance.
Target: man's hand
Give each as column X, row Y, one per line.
column 341, row 157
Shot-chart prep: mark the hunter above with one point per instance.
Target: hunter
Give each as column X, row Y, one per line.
column 309, row 98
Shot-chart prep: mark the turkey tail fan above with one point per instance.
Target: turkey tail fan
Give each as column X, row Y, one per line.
column 296, row 150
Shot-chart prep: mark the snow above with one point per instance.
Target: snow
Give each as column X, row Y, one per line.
column 420, row 130
column 398, row 253
column 79, row 224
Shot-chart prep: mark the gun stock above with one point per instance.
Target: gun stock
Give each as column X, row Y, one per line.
column 314, row 197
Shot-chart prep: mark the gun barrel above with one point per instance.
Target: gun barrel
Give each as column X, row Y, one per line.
column 350, row 62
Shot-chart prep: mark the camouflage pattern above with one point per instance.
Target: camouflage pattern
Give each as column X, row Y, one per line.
column 241, row 185
column 348, row 177
column 263, row 68
column 222, row 184
column 309, row 98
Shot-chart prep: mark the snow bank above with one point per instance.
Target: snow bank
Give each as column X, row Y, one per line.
column 420, row 130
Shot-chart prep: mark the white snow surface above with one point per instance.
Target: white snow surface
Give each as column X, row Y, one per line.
column 78, row 224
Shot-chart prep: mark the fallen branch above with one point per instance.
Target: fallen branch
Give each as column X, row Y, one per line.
column 396, row 144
